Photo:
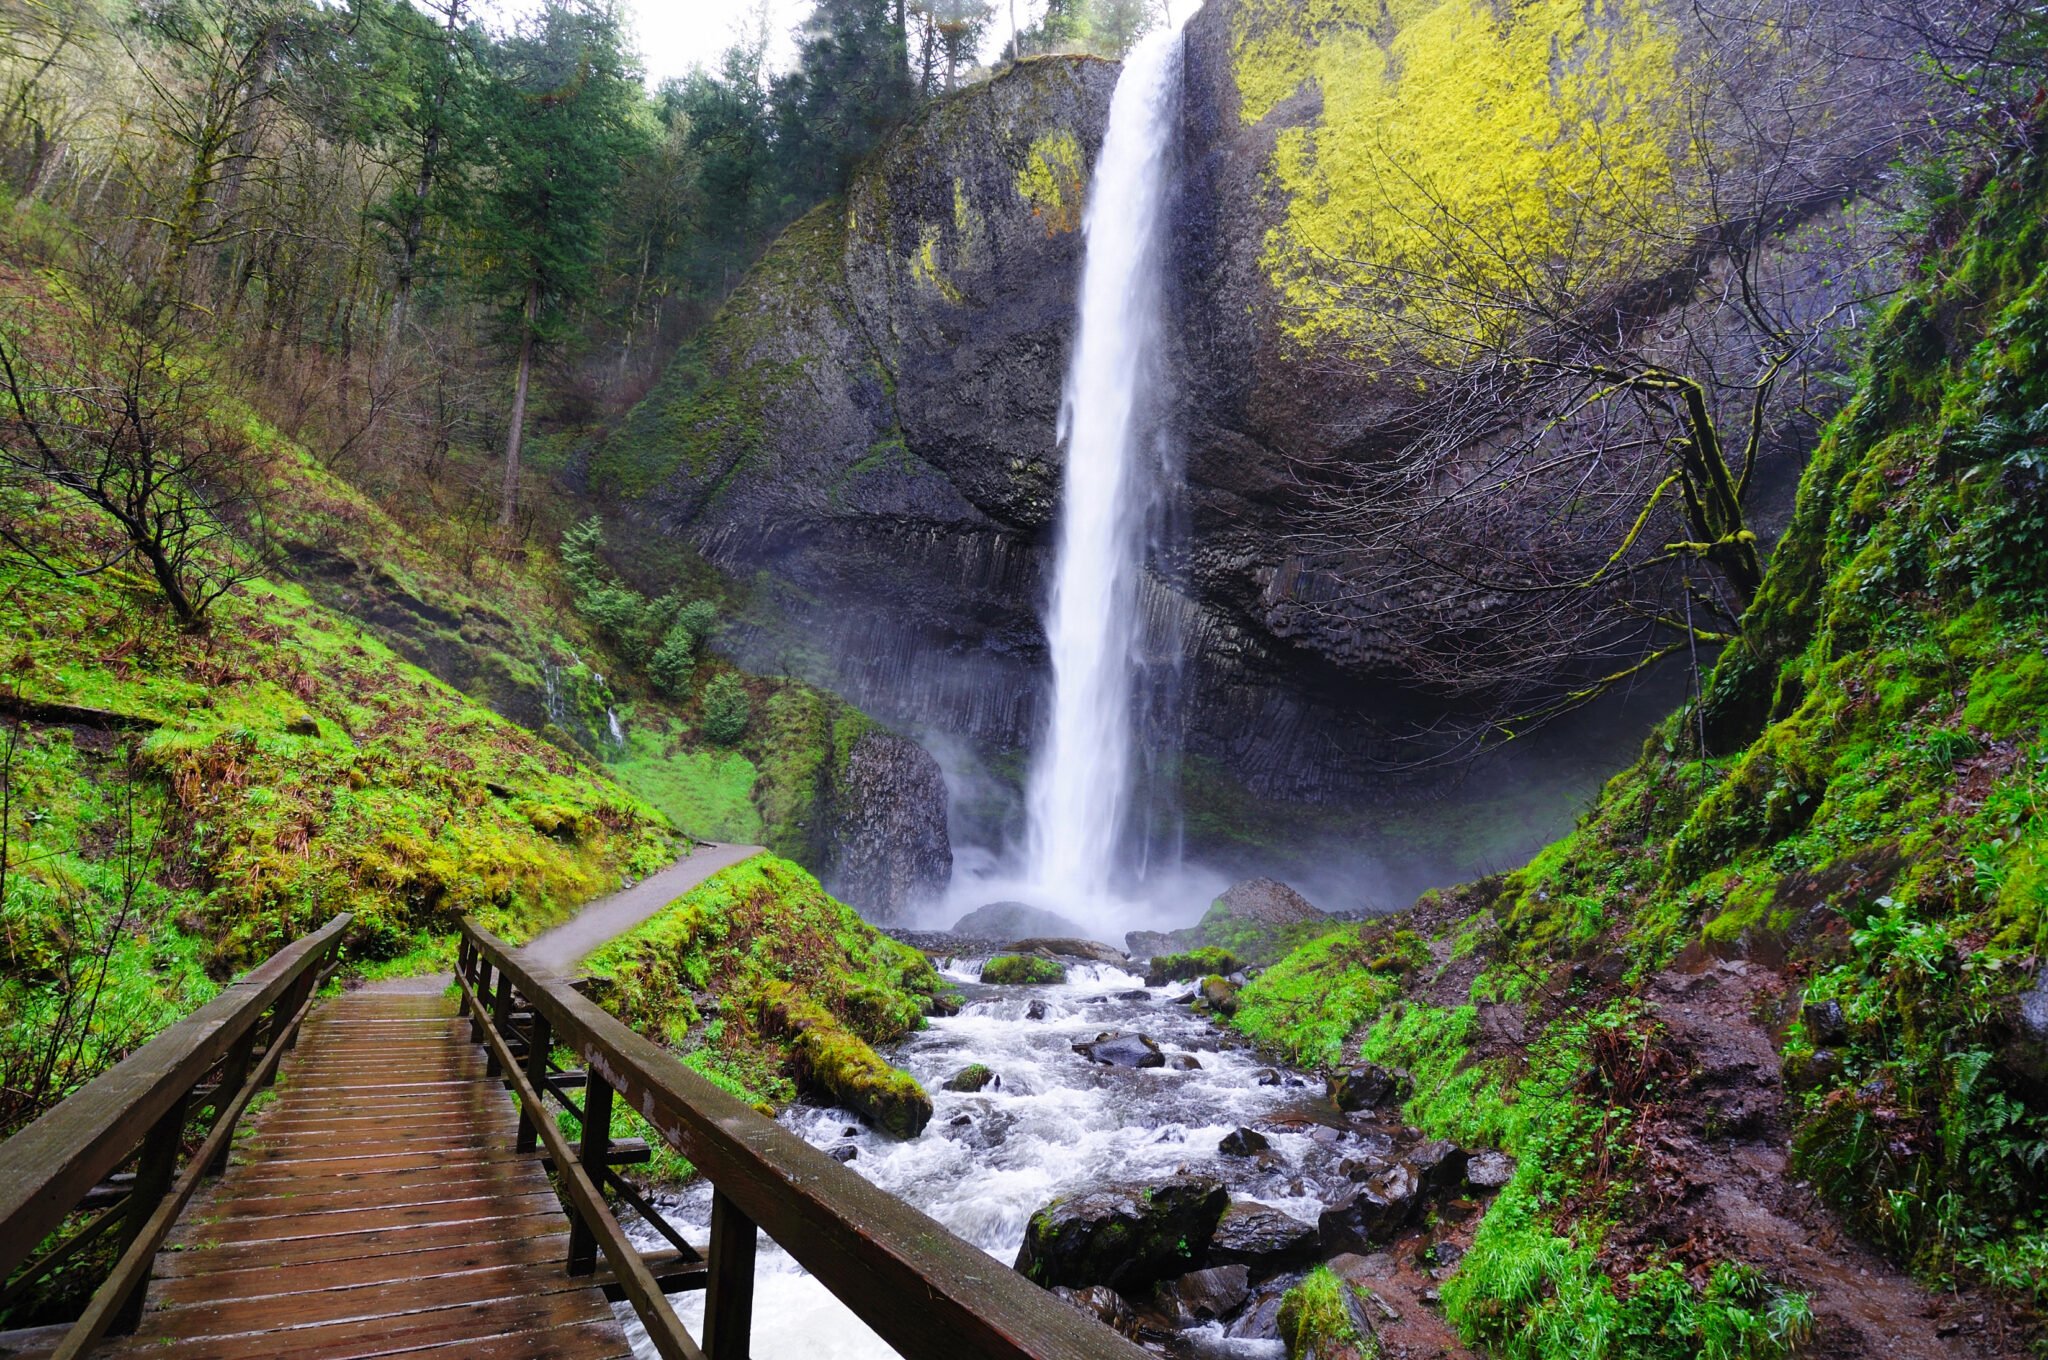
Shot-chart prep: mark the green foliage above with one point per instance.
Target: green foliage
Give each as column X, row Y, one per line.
column 727, row 710
column 1010, row 969
column 1315, row 1320
column 1308, row 1004
column 758, row 974
column 1195, row 963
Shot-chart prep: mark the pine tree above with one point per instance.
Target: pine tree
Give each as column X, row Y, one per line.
column 559, row 112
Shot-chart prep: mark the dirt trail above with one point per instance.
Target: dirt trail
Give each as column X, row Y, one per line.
column 1718, row 1180
column 610, row 917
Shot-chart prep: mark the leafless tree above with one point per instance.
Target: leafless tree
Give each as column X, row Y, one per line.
column 113, row 415
column 1569, row 495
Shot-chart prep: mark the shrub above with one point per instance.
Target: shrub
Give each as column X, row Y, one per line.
column 726, row 710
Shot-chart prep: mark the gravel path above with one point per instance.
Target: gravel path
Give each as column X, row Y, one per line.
column 610, row 917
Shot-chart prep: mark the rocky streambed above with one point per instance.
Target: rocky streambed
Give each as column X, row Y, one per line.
column 1118, row 1144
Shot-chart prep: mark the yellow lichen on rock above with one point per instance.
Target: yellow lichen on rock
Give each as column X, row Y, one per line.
column 1051, row 181
column 1458, row 136
column 926, row 269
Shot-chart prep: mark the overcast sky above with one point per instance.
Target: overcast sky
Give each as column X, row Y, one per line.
column 678, row 34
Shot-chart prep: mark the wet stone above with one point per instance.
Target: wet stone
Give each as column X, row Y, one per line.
column 1206, row 1295
column 1825, row 1024
column 1139, row 994
column 972, row 1078
column 843, row 1152
column 1489, row 1170
column 1184, row 1062
column 1439, row 1165
column 1369, row 1086
column 1262, row 1239
column 1243, row 1143
column 1122, row 1050
column 1124, row 1235
column 1100, row 1302
column 1266, row 1076
column 1035, row 1011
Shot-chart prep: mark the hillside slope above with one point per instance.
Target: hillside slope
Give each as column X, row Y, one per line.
column 1777, row 1004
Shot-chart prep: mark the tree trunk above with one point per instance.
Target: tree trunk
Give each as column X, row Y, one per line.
column 519, row 407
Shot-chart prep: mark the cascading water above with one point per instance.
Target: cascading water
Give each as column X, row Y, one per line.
column 1080, row 790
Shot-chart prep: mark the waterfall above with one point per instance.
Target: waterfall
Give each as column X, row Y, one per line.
column 1078, row 799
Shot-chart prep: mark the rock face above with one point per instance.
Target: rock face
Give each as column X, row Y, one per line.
column 871, row 419
column 888, row 828
column 1125, row 1236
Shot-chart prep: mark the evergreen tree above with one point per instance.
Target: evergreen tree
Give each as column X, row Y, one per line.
column 851, row 87
column 559, row 112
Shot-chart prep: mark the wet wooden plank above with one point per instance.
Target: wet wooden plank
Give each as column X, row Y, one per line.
column 377, row 1208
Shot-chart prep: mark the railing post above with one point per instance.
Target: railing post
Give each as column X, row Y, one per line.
column 501, row 1017
column 234, row 1072
column 536, row 1072
column 729, row 1296
column 594, row 1154
column 480, row 987
column 155, row 1169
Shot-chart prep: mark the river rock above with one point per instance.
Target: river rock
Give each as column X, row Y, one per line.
column 1262, row 1239
column 1100, row 1302
column 1184, row 1062
column 1373, row 1212
column 1263, row 901
column 1440, row 1165
column 1015, row 921
column 1036, row 1010
column 1094, row 951
column 972, row 1077
column 1126, row 1236
column 1243, row 1143
column 886, row 834
column 1213, row 1343
column 1369, row 1086
column 1122, row 1050
column 1144, row 944
column 1489, row 1170
column 1208, row 1295
column 1825, row 1025
column 1219, row 996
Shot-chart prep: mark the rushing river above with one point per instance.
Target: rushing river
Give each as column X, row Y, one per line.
column 1056, row 1121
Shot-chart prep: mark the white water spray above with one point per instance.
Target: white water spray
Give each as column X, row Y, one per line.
column 1079, row 794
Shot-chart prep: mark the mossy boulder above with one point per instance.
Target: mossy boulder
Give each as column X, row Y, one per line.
column 835, row 1062
column 970, row 1078
column 1010, row 969
column 737, row 973
column 1194, row 963
column 1126, row 1236
column 1321, row 1317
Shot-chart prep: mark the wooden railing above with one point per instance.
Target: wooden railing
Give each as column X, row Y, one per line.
column 927, row 1293
column 139, row 1110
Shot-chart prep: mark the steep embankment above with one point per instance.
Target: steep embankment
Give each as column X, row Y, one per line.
column 1776, row 1006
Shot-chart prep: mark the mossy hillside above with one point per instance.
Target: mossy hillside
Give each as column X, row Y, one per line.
column 1311, row 1002
column 1545, row 128
column 1863, row 815
column 729, row 974
column 308, row 770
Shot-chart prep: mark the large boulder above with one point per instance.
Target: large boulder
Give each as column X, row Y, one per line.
column 1126, row 1236
column 1263, row 1239
column 1259, row 919
column 887, row 836
column 1005, row 921
column 835, row 1062
column 1093, row 951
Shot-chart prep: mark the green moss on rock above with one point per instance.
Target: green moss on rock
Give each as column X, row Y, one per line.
column 1317, row 1320
column 1011, row 969
column 759, row 974
column 1194, row 963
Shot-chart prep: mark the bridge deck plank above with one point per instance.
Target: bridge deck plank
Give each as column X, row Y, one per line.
column 376, row 1208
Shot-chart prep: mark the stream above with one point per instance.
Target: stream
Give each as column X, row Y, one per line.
column 1055, row 1122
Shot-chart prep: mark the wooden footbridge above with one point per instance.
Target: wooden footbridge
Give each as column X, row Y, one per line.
column 393, row 1196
